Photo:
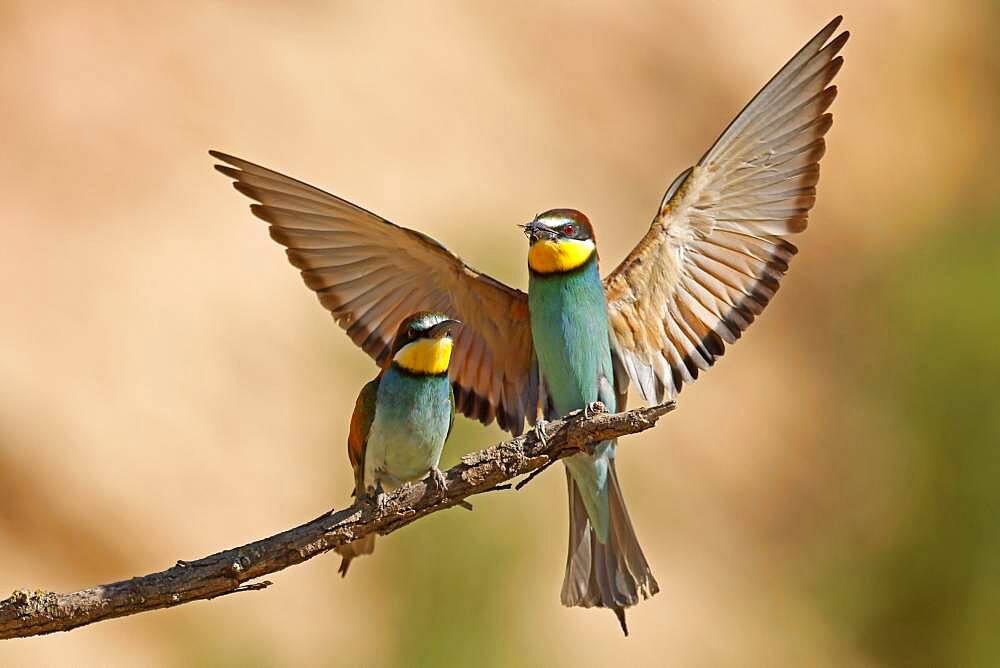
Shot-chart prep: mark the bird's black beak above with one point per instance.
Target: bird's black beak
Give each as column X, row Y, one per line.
column 443, row 329
column 535, row 231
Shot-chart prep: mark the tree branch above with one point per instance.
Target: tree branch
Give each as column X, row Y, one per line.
column 28, row 613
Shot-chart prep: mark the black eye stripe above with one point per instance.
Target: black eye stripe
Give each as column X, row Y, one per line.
column 565, row 227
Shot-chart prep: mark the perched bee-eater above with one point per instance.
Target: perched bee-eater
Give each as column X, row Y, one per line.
column 709, row 264
column 403, row 417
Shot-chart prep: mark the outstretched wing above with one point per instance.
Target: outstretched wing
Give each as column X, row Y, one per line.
column 371, row 274
column 716, row 251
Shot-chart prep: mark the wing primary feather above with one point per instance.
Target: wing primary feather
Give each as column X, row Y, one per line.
column 776, row 83
column 716, row 252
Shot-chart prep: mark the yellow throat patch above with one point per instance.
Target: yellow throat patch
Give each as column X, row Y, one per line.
column 557, row 256
column 425, row 356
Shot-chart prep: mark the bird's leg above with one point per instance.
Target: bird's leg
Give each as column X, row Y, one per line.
column 438, row 485
column 540, row 431
column 381, row 500
column 378, row 496
column 543, row 437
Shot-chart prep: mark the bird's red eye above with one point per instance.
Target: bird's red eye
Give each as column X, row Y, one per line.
column 569, row 230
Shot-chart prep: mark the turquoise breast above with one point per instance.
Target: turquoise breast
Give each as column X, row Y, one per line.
column 412, row 418
column 569, row 326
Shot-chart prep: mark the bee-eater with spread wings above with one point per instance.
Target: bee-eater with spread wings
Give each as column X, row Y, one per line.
column 709, row 264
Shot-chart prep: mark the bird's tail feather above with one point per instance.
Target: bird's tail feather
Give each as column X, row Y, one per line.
column 613, row 574
column 354, row 549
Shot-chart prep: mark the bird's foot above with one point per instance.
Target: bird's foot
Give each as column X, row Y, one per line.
column 544, row 438
column 437, row 483
column 540, row 431
column 379, row 499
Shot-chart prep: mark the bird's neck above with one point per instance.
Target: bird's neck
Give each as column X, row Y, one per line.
column 567, row 293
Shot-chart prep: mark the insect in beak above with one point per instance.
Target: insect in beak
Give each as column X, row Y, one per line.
column 535, row 231
column 443, row 329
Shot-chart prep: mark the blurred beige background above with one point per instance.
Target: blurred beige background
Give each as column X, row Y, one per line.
column 826, row 496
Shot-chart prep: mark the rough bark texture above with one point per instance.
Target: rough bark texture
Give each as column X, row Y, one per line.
column 30, row 613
